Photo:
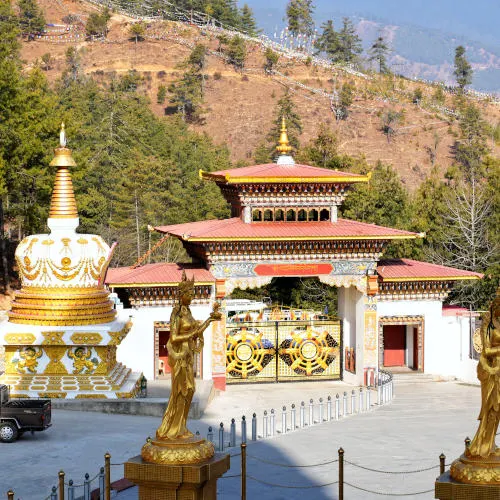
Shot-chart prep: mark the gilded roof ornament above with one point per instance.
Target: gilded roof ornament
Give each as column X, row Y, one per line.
column 283, row 146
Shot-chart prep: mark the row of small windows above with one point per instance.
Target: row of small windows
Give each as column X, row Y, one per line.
column 290, row 215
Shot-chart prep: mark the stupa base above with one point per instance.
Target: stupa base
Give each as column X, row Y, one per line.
column 178, row 452
column 121, row 382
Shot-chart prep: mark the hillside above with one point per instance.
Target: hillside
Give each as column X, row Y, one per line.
column 239, row 106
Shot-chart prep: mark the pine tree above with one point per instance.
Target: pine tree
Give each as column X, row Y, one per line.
column 349, row 42
column 463, row 70
column 236, row 52
column 378, row 52
column 328, row 41
column 247, row 21
column 299, row 15
column 31, row 17
column 137, row 30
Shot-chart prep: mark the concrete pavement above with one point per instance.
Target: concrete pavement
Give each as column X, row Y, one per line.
column 408, row 434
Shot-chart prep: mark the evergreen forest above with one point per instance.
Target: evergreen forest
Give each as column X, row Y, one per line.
column 136, row 170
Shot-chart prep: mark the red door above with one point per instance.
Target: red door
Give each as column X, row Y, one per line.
column 163, row 367
column 394, row 345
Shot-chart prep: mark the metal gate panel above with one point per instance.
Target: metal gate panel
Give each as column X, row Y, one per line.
column 276, row 351
column 251, row 352
column 308, row 350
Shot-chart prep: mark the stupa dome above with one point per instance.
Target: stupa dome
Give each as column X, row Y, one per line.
column 62, row 273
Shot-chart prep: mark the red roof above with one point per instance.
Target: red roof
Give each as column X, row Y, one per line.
column 160, row 273
column 414, row 270
column 272, row 172
column 236, row 229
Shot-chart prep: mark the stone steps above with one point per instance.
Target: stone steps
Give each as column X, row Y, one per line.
column 418, row 378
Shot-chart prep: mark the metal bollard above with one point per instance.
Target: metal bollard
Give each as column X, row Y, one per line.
column 442, row 458
column 107, row 476
column 61, row 485
column 265, row 429
column 232, row 434
column 353, row 402
column 320, row 410
column 337, row 407
column 292, row 417
column 283, row 420
column 344, row 404
column 86, row 487
column 302, row 414
column 379, row 394
column 221, row 437
column 243, row 471
column 243, row 429
column 254, row 427
column 210, row 435
column 10, row 495
column 368, row 399
column 329, row 408
column 101, row 484
column 311, row 412
column 360, row 405
column 53, row 493
column 273, row 423
column 341, row 474
column 71, row 490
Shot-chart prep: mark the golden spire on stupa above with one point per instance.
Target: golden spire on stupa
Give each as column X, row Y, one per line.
column 63, row 203
column 283, row 146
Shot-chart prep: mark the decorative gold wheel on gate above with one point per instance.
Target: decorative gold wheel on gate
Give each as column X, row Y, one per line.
column 247, row 353
column 309, row 352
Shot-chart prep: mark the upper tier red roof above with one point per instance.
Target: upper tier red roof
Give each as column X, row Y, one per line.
column 272, row 172
column 160, row 273
column 236, row 229
column 414, row 270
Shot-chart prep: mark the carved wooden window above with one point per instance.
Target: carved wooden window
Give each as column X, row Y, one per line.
column 268, row 215
column 324, row 215
column 313, row 215
column 257, row 215
column 290, row 215
column 302, row 215
column 279, row 215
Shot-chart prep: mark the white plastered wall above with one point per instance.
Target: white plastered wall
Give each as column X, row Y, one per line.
column 446, row 351
column 137, row 349
column 351, row 310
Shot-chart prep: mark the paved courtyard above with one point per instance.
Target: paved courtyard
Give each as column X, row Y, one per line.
column 424, row 420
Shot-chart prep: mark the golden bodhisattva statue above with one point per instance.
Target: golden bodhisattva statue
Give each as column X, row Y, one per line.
column 480, row 463
column 174, row 443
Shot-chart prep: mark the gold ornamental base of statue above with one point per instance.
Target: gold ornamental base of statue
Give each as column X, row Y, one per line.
column 477, row 470
column 192, row 450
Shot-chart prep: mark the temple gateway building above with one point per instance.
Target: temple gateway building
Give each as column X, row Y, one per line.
column 285, row 223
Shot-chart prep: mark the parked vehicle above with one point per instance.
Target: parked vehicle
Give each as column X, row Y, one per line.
column 20, row 415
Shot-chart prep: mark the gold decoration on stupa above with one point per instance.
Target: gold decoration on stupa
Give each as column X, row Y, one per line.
column 283, row 146
column 63, row 203
column 61, row 273
column 48, row 348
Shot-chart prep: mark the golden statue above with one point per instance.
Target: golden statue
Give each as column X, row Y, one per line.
column 480, row 464
column 174, row 443
column 29, row 360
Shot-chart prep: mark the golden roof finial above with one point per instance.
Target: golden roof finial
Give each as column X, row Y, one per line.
column 283, row 146
column 63, row 203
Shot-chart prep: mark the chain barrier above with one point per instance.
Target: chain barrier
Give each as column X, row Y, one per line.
column 291, row 466
column 291, row 486
column 391, row 472
column 230, row 476
column 388, row 494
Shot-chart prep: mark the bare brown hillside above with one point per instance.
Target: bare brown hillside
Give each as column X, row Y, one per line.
column 240, row 106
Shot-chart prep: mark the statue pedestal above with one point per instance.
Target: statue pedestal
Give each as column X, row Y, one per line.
column 177, row 482
column 447, row 488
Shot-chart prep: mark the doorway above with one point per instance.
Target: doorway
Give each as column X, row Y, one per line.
column 163, row 366
column 394, row 345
